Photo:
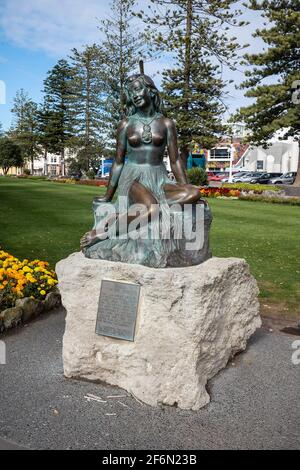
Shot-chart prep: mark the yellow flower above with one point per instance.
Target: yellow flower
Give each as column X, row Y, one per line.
column 26, row 269
column 43, row 292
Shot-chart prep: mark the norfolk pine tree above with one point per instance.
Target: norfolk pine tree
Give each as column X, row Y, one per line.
column 277, row 105
column 25, row 130
column 123, row 45
column 60, row 105
column 88, row 101
column 196, row 34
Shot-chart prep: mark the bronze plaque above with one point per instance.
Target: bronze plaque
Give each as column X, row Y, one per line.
column 117, row 309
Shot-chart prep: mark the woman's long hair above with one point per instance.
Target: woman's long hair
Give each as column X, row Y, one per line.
column 130, row 108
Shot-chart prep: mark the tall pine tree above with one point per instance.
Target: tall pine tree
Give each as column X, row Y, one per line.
column 47, row 137
column 60, row 105
column 123, row 45
column 25, row 129
column 277, row 105
column 195, row 33
column 88, row 100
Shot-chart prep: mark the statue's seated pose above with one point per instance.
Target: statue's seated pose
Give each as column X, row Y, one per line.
column 143, row 180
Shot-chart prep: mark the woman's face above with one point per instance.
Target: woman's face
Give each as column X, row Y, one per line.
column 139, row 94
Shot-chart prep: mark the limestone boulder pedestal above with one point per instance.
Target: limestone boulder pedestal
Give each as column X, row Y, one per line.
column 191, row 321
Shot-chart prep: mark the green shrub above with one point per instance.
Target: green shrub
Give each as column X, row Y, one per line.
column 26, row 171
column 197, row 176
column 91, row 174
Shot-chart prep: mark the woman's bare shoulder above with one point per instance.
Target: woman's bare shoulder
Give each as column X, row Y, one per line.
column 123, row 124
column 169, row 123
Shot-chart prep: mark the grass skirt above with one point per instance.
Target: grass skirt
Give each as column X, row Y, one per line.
column 143, row 250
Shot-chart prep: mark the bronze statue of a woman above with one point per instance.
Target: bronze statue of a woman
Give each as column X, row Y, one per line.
column 142, row 137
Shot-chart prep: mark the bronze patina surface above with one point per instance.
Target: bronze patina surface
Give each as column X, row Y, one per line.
column 143, row 136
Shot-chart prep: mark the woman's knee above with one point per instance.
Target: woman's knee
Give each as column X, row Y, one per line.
column 192, row 193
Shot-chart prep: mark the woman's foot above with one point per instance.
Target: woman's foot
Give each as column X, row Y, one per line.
column 89, row 239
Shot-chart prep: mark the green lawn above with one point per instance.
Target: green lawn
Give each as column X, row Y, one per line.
column 46, row 220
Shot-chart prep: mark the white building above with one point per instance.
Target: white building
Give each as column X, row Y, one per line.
column 52, row 165
column 281, row 156
column 231, row 146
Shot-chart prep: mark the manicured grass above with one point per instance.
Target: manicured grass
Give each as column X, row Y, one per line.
column 45, row 220
column 267, row 236
column 41, row 219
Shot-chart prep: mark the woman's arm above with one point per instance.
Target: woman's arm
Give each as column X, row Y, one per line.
column 118, row 162
column 175, row 161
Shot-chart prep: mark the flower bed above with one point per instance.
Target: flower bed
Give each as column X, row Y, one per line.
column 25, row 278
column 93, row 182
column 270, row 196
column 81, row 182
column 219, row 192
column 63, row 180
column 27, row 288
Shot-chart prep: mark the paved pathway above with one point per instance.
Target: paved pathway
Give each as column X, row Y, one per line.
column 255, row 401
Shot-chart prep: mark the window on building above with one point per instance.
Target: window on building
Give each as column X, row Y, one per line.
column 260, row 165
column 220, row 153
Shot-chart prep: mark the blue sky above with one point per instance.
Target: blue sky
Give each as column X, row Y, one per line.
column 34, row 34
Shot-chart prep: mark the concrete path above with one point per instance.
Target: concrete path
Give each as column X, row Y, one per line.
column 255, row 401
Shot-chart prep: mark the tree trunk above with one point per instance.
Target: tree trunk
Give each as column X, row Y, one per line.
column 297, row 180
column 187, row 72
column 32, row 165
column 45, row 162
column 62, row 162
column 121, row 64
column 187, row 59
column 88, row 112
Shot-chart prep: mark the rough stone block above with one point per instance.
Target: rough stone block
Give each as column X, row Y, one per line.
column 31, row 308
column 191, row 321
column 11, row 317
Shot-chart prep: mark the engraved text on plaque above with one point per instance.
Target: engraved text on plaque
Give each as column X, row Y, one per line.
column 117, row 309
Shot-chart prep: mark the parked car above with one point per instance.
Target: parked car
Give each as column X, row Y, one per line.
column 264, row 178
column 235, row 176
column 214, row 178
column 223, row 175
column 286, row 178
column 247, row 177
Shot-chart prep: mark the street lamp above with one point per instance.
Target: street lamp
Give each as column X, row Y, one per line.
column 232, row 150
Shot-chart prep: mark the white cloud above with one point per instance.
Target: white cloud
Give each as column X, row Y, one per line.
column 56, row 26
column 51, row 26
